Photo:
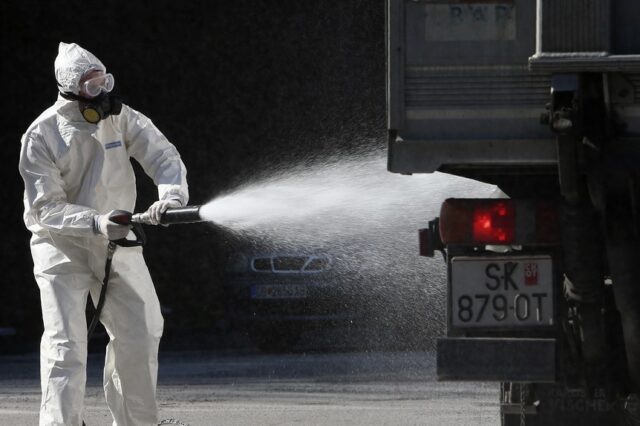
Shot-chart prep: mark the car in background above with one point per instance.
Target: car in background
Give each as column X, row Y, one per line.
column 276, row 296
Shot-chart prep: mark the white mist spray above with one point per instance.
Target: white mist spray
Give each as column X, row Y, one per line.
column 338, row 198
column 364, row 217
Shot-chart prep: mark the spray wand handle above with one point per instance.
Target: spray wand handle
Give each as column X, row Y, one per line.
column 123, row 217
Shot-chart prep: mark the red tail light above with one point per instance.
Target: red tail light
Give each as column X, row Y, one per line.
column 495, row 222
column 498, row 221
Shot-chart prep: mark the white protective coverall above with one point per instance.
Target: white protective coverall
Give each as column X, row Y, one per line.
column 72, row 171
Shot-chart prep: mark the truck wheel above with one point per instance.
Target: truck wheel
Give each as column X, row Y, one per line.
column 552, row 404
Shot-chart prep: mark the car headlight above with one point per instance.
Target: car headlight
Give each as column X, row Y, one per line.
column 237, row 263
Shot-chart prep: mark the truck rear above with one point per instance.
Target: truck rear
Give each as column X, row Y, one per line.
column 541, row 98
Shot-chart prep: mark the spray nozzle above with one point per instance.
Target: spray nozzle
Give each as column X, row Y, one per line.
column 187, row 214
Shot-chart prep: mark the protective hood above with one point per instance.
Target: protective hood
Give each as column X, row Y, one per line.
column 71, row 64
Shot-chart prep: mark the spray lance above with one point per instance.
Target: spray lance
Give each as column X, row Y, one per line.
column 187, row 214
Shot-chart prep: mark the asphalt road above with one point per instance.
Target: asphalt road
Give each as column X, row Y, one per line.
column 250, row 388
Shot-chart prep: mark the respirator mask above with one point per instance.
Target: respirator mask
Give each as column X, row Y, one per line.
column 101, row 102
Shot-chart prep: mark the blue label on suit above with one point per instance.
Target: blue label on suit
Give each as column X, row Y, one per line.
column 113, row 144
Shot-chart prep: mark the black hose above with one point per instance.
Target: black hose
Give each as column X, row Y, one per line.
column 111, row 248
column 103, row 291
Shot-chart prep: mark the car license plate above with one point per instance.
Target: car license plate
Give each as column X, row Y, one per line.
column 501, row 291
column 279, row 291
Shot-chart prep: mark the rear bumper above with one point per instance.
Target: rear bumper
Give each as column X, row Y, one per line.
column 496, row 359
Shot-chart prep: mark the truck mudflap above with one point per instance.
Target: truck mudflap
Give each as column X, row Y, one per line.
column 496, row 359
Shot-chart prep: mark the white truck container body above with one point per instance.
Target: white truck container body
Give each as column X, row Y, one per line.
column 468, row 80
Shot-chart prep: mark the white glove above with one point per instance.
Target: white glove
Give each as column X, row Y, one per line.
column 159, row 207
column 108, row 229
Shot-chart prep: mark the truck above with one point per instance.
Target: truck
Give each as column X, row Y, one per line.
column 542, row 99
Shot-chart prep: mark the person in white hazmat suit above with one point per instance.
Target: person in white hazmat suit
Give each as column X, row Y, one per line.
column 75, row 163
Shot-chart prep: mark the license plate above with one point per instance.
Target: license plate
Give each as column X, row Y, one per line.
column 501, row 291
column 278, row 291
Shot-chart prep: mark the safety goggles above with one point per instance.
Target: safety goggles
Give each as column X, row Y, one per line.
column 94, row 86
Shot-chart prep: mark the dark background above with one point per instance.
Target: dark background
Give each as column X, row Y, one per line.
column 241, row 88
